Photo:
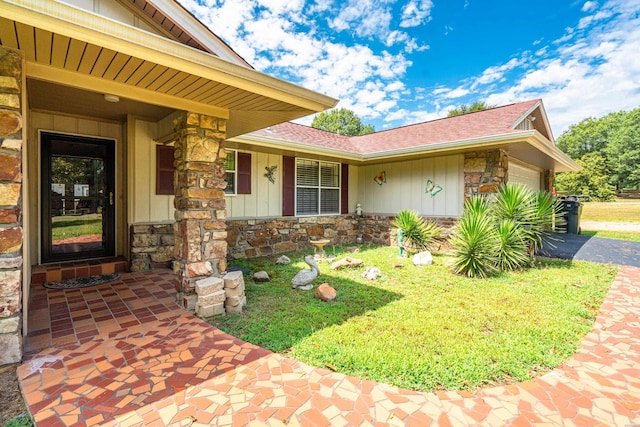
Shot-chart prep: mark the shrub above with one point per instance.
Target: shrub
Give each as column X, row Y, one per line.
column 416, row 231
column 474, row 240
column 503, row 232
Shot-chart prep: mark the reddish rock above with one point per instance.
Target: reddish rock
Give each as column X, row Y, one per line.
column 325, row 293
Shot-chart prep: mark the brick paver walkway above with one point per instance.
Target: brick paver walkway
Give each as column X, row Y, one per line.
column 162, row 367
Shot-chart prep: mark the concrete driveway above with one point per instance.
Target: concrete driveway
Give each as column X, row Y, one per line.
column 594, row 249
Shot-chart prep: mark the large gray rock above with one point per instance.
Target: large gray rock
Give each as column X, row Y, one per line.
column 283, row 260
column 423, row 258
column 261, row 277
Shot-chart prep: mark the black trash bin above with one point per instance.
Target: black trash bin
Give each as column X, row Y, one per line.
column 572, row 210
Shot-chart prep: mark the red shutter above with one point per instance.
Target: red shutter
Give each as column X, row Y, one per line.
column 344, row 189
column 244, row 173
column 164, row 169
column 288, row 186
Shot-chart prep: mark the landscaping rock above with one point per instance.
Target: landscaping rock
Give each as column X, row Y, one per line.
column 325, row 293
column 372, row 273
column 233, row 279
column 210, row 310
column 423, row 258
column 283, row 260
column 261, row 277
column 346, row 262
column 352, row 249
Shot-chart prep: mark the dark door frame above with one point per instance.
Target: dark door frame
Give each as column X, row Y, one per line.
column 79, row 146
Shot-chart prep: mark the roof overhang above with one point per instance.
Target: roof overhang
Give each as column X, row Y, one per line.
column 527, row 146
column 75, row 48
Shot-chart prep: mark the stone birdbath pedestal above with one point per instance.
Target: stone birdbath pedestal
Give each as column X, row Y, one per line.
column 319, row 247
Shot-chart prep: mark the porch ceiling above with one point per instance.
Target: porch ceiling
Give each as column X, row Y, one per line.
column 74, row 48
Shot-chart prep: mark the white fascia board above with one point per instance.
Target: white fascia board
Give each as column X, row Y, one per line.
column 525, row 115
column 80, row 24
column 281, row 144
column 544, row 145
column 197, row 30
column 469, row 144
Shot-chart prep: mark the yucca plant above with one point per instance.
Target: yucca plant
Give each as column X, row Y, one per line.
column 417, row 232
column 474, row 240
column 512, row 253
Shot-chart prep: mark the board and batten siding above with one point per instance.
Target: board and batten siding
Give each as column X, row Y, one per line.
column 406, row 187
column 144, row 204
column 72, row 125
column 265, row 199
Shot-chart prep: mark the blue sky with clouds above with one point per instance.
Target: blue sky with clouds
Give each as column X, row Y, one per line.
column 396, row 62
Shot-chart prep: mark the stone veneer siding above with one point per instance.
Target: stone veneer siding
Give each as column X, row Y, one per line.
column 250, row 238
column 484, row 171
column 152, row 246
column 200, row 249
column 11, row 231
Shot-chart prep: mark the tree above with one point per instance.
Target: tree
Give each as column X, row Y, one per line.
column 341, row 121
column 593, row 180
column 609, row 149
column 464, row 109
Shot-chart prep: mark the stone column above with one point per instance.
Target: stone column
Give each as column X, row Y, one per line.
column 484, row 171
column 11, row 234
column 200, row 229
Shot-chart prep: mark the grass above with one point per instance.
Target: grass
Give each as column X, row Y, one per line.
column 633, row 236
column 425, row 328
column 619, row 211
column 68, row 226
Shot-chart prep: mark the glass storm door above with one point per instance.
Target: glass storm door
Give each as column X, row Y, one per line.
column 78, row 212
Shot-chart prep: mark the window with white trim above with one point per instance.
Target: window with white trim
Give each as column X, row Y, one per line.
column 230, row 165
column 317, row 187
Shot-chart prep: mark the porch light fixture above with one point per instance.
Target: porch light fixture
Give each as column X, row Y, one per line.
column 111, row 98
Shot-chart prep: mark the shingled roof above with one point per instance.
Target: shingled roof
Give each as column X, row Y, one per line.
column 467, row 127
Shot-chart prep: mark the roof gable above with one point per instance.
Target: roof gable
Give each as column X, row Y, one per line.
column 166, row 18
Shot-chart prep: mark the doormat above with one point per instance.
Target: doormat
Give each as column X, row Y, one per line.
column 82, row 282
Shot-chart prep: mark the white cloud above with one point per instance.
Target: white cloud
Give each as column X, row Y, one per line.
column 415, row 13
column 589, row 6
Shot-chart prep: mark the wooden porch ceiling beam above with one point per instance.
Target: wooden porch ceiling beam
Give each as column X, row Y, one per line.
column 95, row 84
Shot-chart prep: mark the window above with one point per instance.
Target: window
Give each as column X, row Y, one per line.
column 317, row 187
column 230, row 166
column 238, row 166
column 164, row 169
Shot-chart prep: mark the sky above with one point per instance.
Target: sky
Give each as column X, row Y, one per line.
column 399, row 62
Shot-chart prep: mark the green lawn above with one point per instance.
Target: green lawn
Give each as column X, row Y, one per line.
column 619, row 211
column 68, row 226
column 424, row 328
column 633, row 236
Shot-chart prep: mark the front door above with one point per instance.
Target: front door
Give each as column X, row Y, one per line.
column 78, row 212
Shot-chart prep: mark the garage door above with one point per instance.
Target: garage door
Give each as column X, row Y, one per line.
column 523, row 175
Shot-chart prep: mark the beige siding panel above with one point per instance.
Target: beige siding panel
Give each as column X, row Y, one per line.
column 406, row 187
column 43, row 45
column 353, row 188
column 147, row 206
column 265, row 199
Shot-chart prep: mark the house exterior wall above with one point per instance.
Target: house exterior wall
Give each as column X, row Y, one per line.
column 11, row 214
column 484, row 171
column 51, row 121
column 406, row 184
column 265, row 199
column 145, row 206
column 519, row 174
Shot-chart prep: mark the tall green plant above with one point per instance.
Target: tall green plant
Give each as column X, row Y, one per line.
column 503, row 232
column 474, row 240
column 416, row 231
